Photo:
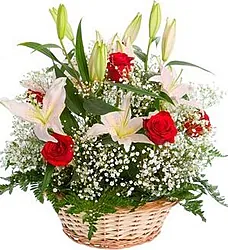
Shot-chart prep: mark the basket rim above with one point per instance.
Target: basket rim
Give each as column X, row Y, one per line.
column 155, row 205
column 151, row 205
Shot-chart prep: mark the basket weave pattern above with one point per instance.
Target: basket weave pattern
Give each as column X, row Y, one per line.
column 121, row 229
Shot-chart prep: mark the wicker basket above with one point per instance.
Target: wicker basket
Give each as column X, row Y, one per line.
column 121, row 229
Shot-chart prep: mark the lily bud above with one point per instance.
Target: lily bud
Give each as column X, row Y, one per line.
column 101, row 62
column 168, row 39
column 68, row 31
column 133, row 29
column 98, row 36
column 54, row 12
column 119, row 46
column 155, row 20
column 61, row 21
column 129, row 48
column 98, row 62
column 116, row 45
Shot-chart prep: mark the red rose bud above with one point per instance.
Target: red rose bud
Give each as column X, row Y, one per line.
column 119, row 67
column 197, row 128
column 160, row 128
column 59, row 153
column 36, row 95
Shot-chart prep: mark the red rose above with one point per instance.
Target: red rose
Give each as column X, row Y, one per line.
column 194, row 128
column 59, row 153
column 37, row 95
column 160, row 128
column 119, row 66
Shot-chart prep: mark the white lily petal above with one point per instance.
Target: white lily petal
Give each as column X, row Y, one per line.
column 156, row 78
column 126, row 107
column 134, row 125
column 24, row 110
column 126, row 102
column 110, row 120
column 140, row 138
column 180, row 90
column 128, row 48
column 127, row 146
column 151, row 114
column 166, row 78
column 134, row 138
column 126, row 142
column 57, row 126
column 114, row 136
column 42, row 133
column 54, row 100
column 96, row 130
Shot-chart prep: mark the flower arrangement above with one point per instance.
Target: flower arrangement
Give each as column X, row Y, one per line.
column 112, row 128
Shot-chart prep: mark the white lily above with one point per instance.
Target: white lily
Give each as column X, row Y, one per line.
column 173, row 86
column 47, row 117
column 120, row 126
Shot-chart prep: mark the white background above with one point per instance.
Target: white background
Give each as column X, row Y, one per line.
column 201, row 38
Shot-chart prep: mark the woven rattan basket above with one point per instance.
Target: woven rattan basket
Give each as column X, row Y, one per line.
column 121, row 229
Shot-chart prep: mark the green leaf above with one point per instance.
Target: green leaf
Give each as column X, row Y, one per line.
column 68, row 121
column 108, row 140
column 74, row 101
column 80, row 55
column 47, row 177
column 75, row 210
column 157, row 105
column 58, row 72
column 49, row 46
column 166, row 97
column 4, row 188
column 71, row 53
column 195, row 206
column 92, row 230
column 36, row 188
column 71, row 71
column 213, row 191
column 136, row 47
column 182, row 63
column 39, row 189
column 161, row 96
column 134, row 89
column 42, row 49
column 98, row 107
column 139, row 53
column 157, row 40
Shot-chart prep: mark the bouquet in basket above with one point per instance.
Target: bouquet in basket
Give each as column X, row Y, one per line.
column 112, row 136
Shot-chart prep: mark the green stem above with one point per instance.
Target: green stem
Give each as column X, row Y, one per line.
column 147, row 55
column 70, row 62
column 117, row 100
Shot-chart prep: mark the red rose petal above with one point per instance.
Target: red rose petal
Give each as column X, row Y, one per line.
column 59, row 153
column 119, row 66
column 160, row 128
